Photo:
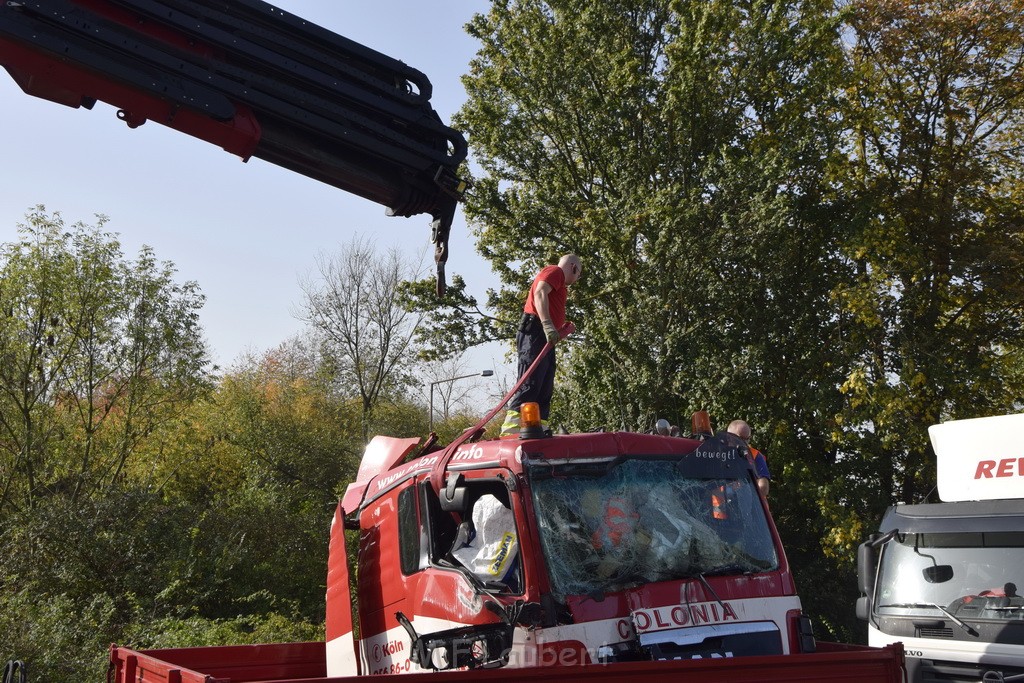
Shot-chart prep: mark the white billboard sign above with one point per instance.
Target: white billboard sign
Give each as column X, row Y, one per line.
column 980, row 459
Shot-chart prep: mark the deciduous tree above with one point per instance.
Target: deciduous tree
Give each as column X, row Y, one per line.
column 96, row 350
column 355, row 309
column 686, row 150
column 934, row 307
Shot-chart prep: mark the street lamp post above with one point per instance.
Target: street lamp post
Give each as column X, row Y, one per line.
column 482, row 373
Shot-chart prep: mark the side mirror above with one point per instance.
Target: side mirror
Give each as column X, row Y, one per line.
column 940, row 573
column 863, row 608
column 866, row 568
column 867, row 560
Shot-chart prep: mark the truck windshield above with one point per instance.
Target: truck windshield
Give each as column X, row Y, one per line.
column 616, row 524
column 986, row 569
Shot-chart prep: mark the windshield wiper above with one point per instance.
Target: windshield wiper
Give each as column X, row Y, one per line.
column 911, row 605
column 958, row 622
column 707, row 586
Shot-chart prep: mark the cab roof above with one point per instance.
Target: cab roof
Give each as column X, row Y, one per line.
column 385, row 463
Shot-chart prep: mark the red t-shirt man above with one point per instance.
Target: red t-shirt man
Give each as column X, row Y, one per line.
column 555, row 279
column 543, row 318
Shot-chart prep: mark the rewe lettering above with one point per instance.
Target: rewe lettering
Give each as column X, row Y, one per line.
column 1007, row 467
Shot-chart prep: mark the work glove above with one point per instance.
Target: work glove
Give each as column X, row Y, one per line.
column 550, row 333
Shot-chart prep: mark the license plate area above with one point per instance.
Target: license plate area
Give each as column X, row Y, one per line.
column 713, row 642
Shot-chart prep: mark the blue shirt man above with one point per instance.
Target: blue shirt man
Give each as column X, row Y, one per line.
column 742, row 430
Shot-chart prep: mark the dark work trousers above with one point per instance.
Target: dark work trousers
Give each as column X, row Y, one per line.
column 530, row 340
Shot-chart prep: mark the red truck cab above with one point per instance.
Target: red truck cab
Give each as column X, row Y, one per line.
column 595, row 547
column 599, row 556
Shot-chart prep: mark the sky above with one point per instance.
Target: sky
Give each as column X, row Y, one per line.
column 246, row 232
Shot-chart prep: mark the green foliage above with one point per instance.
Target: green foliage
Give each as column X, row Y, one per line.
column 142, row 504
column 142, row 571
column 280, row 448
column 77, row 577
column 454, row 323
column 399, row 417
column 934, row 309
column 60, row 640
column 619, row 160
column 242, row 630
column 96, row 352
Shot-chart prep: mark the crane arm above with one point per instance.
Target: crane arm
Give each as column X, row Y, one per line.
column 254, row 80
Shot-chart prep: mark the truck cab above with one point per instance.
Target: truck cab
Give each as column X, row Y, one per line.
column 561, row 551
column 943, row 578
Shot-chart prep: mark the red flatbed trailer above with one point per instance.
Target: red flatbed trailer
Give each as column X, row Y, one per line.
column 305, row 663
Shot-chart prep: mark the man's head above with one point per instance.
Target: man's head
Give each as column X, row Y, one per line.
column 740, row 429
column 570, row 265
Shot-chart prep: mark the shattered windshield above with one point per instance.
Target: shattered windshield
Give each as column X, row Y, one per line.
column 619, row 523
column 972, row 575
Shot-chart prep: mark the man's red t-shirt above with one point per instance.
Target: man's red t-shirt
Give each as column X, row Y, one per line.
column 555, row 278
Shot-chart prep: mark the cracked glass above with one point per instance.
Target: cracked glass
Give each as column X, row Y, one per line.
column 610, row 525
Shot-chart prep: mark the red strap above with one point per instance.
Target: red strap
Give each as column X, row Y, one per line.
column 437, row 475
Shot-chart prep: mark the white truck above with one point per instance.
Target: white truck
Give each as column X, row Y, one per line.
column 943, row 578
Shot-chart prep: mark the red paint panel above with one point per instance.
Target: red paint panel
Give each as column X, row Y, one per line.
column 69, row 84
column 339, row 603
column 667, row 593
column 381, row 586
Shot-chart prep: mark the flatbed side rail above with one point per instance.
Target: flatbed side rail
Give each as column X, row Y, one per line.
column 128, row 666
column 292, row 662
column 283, row 663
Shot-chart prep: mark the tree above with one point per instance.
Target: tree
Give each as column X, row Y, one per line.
column 821, row 238
column 216, row 532
column 282, row 410
column 683, row 149
column 454, row 323
column 366, row 333
column 449, row 397
column 933, row 312
column 96, row 351
column 679, row 149
column 688, row 152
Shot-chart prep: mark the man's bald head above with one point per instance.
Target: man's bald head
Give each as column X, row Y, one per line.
column 740, row 429
column 570, row 265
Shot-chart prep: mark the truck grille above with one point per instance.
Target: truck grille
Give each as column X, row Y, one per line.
column 933, row 671
column 935, row 633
